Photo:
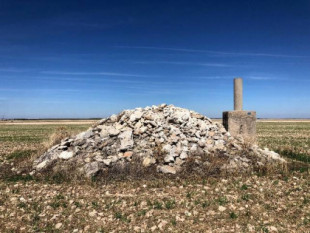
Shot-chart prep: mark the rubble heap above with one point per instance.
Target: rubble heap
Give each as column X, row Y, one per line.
column 178, row 133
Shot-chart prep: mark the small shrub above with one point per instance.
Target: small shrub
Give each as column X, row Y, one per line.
column 59, row 197
column 59, row 201
column 118, row 215
column 189, row 195
column 173, row 222
column 170, row 204
column 232, row 215
column 77, row 204
column 60, row 134
column 204, row 182
column 35, row 218
column 197, row 202
column 21, row 205
column 57, row 204
column 306, row 201
column 205, row 204
column 245, row 197
column 158, row 205
column 58, row 178
column 149, row 203
column 222, row 200
column 306, row 221
column 276, row 182
column 265, row 229
column 101, row 230
column 142, row 213
column 248, row 213
column 95, row 204
column 121, row 217
column 16, row 191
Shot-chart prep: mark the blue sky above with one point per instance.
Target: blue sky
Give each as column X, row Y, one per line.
column 96, row 58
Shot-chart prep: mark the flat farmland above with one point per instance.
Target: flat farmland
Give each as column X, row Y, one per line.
column 24, row 135
column 288, row 137
column 277, row 202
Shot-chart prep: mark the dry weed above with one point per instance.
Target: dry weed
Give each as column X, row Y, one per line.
column 56, row 137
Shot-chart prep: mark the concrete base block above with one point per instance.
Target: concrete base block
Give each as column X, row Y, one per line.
column 241, row 123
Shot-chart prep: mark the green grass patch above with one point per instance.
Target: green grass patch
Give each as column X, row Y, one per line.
column 33, row 133
column 59, row 201
column 16, row 178
column 222, row 200
column 142, row 213
column 245, row 197
column 233, row 215
column 205, row 204
column 20, row 154
column 295, row 156
column 121, row 217
column 170, row 204
column 158, row 205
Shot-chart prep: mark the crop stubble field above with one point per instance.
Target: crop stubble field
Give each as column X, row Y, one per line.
column 252, row 203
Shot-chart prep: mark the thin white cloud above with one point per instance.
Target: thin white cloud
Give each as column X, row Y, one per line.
column 262, row 55
column 184, row 63
column 86, row 25
column 69, row 79
column 160, row 92
column 14, row 70
column 166, row 48
column 96, row 74
column 211, row 52
column 264, row 78
column 38, row 89
column 216, row 77
column 107, row 80
column 259, row 78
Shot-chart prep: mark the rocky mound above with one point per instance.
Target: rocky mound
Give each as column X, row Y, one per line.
column 163, row 136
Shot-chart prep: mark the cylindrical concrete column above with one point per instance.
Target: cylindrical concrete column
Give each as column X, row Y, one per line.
column 238, row 92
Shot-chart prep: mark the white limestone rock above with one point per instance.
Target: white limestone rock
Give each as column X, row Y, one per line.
column 66, row 155
column 164, row 135
column 126, row 139
column 166, row 169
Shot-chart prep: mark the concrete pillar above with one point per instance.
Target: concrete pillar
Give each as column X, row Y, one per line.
column 239, row 122
column 238, row 92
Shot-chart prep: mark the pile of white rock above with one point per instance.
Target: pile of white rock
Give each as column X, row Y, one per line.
column 164, row 136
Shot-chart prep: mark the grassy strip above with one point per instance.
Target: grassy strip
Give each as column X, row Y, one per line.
column 295, row 156
column 20, row 154
column 16, row 178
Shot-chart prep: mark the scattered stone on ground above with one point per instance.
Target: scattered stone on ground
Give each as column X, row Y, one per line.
column 164, row 136
column 235, row 204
